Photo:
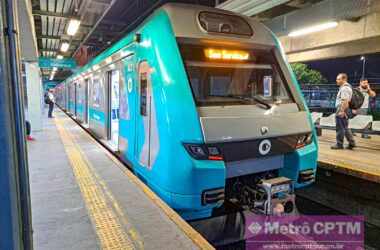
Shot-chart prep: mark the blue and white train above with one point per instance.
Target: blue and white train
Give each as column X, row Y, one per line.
column 204, row 108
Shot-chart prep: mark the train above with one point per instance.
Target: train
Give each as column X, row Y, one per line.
column 202, row 105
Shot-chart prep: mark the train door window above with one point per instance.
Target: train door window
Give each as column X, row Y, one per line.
column 75, row 97
column 86, row 99
column 143, row 93
column 95, row 93
column 113, row 83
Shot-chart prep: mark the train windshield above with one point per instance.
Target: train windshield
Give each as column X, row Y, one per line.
column 236, row 82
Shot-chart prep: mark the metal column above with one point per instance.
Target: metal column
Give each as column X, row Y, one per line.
column 15, row 215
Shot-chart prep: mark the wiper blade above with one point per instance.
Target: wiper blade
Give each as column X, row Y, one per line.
column 258, row 100
column 267, row 105
column 247, row 99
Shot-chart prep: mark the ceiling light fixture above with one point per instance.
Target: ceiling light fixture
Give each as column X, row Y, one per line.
column 312, row 29
column 65, row 46
column 59, row 57
column 73, row 27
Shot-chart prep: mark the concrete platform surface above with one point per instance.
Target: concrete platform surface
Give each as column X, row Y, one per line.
column 362, row 162
column 83, row 198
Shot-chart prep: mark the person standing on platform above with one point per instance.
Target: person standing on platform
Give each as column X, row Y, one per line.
column 367, row 93
column 343, row 99
column 28, row 131
column 51, row 101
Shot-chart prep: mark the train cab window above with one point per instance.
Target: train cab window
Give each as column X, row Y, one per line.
column 228, row 82
column 219, row 84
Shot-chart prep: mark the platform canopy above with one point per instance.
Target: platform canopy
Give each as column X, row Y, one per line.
column 102, row 22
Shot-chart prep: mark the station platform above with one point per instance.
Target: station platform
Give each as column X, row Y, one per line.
column 83, row 198
column 362, row 162
column 348, row 180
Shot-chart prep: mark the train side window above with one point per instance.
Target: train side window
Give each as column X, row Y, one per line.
column 143, row 93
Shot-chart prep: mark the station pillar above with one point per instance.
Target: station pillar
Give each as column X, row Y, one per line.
column 34, row 98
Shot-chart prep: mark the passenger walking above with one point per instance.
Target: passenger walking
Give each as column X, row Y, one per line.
column 343, row 99
column 50, row 101
column 367, row 92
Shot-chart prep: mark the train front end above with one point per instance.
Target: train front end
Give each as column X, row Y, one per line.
column 258, row 137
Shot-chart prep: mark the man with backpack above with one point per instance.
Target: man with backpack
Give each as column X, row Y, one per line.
column 50, row 100
column 367, row 92
column 343, row 113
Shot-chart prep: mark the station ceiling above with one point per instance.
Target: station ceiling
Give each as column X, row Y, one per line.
column 104, row 21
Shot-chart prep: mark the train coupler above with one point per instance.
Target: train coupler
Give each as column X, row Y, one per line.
column 277, row 197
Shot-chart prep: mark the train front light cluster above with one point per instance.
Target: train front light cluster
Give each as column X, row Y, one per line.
column 203, row 152
column 304, row 140
column 226, row 54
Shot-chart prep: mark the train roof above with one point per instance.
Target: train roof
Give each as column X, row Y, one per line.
column 184, row 21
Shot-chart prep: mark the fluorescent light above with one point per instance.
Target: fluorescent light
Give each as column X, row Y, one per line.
column 59, row 57
column 108, row 60
column 65, row 46
column 312, row 29
column 55, row 69
column 73, row 27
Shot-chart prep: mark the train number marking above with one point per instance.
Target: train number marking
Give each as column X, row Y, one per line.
column 130, row 85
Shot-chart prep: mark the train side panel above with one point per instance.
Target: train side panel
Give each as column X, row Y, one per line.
column 160, row 158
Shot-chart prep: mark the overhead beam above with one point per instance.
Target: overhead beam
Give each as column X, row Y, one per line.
column 361, row 37
column 49, row 37
column 353, row 48
column 49, row 50
column 53, row 14
column 57, row 37
column 250, row 8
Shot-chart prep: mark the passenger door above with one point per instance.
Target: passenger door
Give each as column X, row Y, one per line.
column 144, row 116
column 127, row 109
column 113, row 89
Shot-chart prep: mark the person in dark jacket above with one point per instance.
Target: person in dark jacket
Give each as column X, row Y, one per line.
column 51, row 101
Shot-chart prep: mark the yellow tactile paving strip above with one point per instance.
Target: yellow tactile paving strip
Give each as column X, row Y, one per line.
column 183, row 225
column 197, row 238
column 111, row 233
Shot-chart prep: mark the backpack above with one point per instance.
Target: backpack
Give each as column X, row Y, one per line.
column 357, row 99
column 46, row 99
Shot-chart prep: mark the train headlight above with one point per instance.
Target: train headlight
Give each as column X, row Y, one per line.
column 197, row 151
column 304, row 140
